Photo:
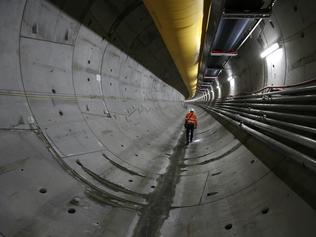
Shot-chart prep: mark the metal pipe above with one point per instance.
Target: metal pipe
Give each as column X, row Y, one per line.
column 293, row 91
column 241, row 15
column 250, row 32
column 301, row 90
column 297, row 138
column 224, row 54
column 275, row 99
column 295, row 117
column 290, row 152
column 295, row 107
column 286, row 86
column 276, row 122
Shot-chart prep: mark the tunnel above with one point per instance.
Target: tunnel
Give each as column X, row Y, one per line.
column 93, row 96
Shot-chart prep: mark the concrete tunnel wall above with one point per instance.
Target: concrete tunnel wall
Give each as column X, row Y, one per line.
column 292, row 25
column 87, row 135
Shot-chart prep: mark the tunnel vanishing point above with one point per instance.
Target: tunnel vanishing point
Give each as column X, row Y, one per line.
column 93, row 95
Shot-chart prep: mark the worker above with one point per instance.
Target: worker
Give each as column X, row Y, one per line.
column 190, row 124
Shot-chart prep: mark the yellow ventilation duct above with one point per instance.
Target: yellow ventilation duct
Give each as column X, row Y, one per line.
column 180, row 25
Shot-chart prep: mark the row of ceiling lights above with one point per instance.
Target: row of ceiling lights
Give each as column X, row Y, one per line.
column 268, row 51
column 236, row 28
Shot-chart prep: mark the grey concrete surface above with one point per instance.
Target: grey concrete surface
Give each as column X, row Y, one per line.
column 92, row 144
column 292, row 26
column 127, row 25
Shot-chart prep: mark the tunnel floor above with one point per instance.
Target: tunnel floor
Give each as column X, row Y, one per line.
column 213, row 187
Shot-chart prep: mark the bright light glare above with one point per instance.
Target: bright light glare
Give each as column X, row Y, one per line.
column 275, row 57
column 230, row 78
column 232, row 84
column 269, row 50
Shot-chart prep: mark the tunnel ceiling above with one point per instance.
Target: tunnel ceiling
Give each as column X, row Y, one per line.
column 128, row 25
column 229, row 31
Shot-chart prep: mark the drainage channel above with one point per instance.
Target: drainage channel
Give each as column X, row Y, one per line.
column 156, row 212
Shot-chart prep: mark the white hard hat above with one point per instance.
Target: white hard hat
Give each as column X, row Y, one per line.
column 191, row 110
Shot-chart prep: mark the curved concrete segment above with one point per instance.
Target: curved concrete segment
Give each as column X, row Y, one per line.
column 92, row 144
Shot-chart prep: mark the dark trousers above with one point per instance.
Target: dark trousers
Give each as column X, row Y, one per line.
column 189, row 132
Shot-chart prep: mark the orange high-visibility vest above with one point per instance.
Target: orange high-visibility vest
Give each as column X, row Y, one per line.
column 191, row 118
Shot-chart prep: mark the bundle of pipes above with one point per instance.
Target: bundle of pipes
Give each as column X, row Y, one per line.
column 284, row 119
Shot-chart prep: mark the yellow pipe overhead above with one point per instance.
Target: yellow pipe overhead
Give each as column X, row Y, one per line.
column 180, row 25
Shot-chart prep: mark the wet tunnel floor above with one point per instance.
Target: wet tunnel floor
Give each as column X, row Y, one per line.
column 155, row 213
column 216, row 180
column 213, row 187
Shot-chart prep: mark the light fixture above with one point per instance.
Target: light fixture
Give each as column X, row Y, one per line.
column 270, row 50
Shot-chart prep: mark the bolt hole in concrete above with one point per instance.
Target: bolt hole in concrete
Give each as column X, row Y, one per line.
column 61, row 113
column 211, row 194
column 43, row 190
column 153, row 186
column 22, row 169
column 122, row 145
column 252, row 161
column 228, row 227
column 53, row 90
column 136, row 154
column 265, row 210
column 89, row 62
column 66, row 36
column 217, row 173
column 130, row 180
column 71, row 210
column 34, row 29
